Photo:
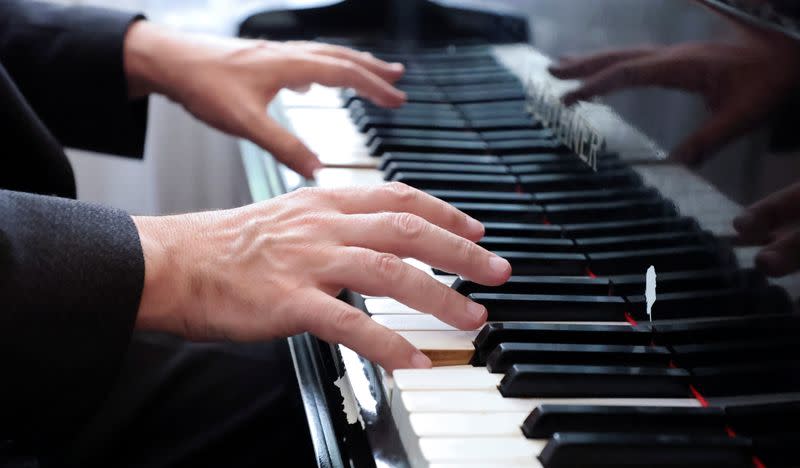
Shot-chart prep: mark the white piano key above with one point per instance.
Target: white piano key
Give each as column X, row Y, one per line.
column 499, row 450
column 331, row 135
column 446, row 378
column 418, row 322
column 470, row 401
column 467, row 424
column 388, row 306
column 338, row 178
column 317, row 97
column 444, row 348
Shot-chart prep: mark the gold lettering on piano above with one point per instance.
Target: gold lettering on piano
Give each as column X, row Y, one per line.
column 567, row 123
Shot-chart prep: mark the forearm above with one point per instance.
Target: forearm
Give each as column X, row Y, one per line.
column 71, row 276
column 68, row 62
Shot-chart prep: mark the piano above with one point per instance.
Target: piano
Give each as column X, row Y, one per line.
column 570, row 370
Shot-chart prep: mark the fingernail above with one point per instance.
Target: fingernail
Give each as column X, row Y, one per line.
column 397, row 66
column 745, row 222
column 499, row 266
column 420, row 361
column 474, row 225
column 477, row 312
column 771, row 262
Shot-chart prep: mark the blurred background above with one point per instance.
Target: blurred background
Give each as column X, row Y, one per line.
column 188, row 166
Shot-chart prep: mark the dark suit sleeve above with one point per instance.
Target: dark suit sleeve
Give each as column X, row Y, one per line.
column 68, row 62
column 71, row 277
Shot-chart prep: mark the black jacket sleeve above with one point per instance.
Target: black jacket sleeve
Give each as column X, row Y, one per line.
column 71, row 277
column 68, row 63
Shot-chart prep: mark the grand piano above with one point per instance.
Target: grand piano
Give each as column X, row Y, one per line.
column 571, row 370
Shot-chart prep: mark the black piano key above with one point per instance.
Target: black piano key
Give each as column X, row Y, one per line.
column 768, row 417
column 539, row 158
column 574, row 285
column 524, row 244
column 713, row 303
column 395, row 167
column 465, row 135
column 551, row 307
column 383, row 145
column 507, row 354
column 568, row 166
column 443, row 111
column 572, row 449
column 529, row 263
column 502, row 135
column 491, row 95
column 748, row 378
column 492, row 334
column 778, row 449
column 640, row 241
column 610, row 210
column 539, row 231
column 430, row 158
column 455, row 196
column 709, row 330
column 561, row 182
column 507, row 123
column 664, row 259
column 546, row 420
column 622, row 228
column 593, row 196
column 681, row 281
column 501, row 211
column 424, row 180
column 366, row 122
column 555, row 381
column 545, row 145
column 754, row 350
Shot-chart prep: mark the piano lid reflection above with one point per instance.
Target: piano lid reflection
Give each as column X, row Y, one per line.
column 569, row 371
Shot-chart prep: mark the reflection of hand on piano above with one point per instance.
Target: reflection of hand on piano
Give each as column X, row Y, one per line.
column 774, row 221
column 228, row 83
column 742, row 82
column 272, row 269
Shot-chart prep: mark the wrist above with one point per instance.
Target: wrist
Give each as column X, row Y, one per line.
column 163, row 290
column 146, row 55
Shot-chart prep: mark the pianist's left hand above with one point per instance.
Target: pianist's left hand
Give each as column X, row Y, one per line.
column 229, row 82
column 775, row 223
column 742, row 81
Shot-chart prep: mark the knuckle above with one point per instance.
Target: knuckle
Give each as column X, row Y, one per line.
column 388, row 265
column 346, row 320
column 408, row 225
column 401, row 192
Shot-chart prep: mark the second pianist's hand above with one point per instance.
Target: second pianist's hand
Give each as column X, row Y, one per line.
column 272, row 269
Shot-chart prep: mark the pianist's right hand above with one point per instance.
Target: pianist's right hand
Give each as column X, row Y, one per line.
column 272, row 269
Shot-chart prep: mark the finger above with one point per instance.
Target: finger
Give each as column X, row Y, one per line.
column 400, row 198
column 336, row 322
column 580, row 67
column 390, row 72
column 408, row 235
column 645, row 71
column 329, row 71
column 382, row 274
column 724, row 125
column 284, row 146
column 773, row 212
column 780, row 257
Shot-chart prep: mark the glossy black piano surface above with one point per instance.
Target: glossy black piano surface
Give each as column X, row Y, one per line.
column 579, row 241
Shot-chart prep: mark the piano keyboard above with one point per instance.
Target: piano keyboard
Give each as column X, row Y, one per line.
column 569, row 371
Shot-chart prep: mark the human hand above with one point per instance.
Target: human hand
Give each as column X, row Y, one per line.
column 741, row 82
column 775, row 223
column 229, row 82
column 272, row 269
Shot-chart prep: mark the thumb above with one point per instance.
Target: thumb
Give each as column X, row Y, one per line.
column 285, row 147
